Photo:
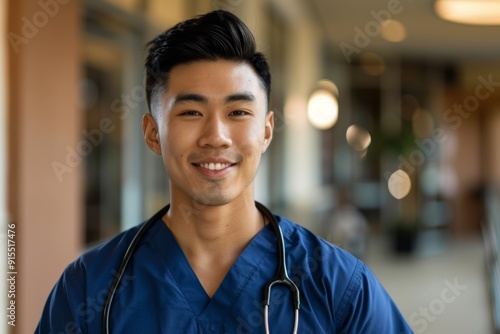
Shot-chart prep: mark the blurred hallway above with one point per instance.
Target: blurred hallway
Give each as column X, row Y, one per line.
column 413, row 133
column 418, row 285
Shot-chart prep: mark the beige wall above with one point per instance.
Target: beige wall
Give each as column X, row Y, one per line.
column 3, row 161
column 467, row 165
column 490, row 117
column 44, row 119
column 474, row 153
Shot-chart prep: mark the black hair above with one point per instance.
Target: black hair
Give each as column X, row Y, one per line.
column 212, row 36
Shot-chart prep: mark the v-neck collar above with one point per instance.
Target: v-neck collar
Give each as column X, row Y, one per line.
column 236, row 279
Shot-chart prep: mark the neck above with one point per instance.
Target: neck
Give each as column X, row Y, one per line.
column 214, row 231
column 212, row 237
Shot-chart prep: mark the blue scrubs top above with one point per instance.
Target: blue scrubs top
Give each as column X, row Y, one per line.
column 160, row 292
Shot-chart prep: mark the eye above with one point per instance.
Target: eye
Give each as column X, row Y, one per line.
column 190, row 113
column 239, row 113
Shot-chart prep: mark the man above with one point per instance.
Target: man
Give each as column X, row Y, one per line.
column 201, row 267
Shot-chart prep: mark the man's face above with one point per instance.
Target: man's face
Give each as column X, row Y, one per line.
column 211, row 131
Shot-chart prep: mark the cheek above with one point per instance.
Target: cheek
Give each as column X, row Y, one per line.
column 170, row 149
column 253, row 143
column 173, row 139
column 255, row 132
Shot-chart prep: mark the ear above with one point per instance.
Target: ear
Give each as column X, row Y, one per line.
column 268, row 135
column 150, row 132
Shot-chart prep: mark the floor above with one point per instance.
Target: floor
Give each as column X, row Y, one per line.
column 441, row 290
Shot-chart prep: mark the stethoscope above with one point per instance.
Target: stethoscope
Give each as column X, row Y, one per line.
column 280, row 278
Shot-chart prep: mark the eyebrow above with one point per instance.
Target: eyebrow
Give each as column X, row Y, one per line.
column 193, row 97
column 245, row 96
column 190, row 97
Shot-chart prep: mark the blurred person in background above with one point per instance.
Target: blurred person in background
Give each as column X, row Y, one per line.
column 203, row 262
column 347, row 227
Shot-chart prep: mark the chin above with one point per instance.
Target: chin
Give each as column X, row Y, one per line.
column 212, row 199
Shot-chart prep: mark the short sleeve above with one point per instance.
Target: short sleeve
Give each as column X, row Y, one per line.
column 366, row 307
column 64, row 311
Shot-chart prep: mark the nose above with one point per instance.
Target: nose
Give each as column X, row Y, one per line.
column 215, row 133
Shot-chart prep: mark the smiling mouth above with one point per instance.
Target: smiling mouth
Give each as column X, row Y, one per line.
column 214, row 166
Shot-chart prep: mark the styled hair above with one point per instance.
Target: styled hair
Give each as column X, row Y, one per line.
column 218, row 35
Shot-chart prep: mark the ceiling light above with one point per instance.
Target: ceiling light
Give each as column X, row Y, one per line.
column 476, row 12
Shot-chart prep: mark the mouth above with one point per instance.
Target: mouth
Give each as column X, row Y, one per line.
column 214, row 166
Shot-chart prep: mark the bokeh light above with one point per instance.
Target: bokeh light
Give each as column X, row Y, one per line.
column 393, row 31
column 358, row 138
column 323, row 107
column 399, row 184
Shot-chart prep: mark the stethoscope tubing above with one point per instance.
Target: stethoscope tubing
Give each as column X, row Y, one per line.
column 123, row 266
column 280, row 278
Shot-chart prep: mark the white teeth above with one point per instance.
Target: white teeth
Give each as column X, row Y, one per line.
column 214, row 166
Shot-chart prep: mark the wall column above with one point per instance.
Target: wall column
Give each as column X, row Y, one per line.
column 302, row 155
column 45, row 186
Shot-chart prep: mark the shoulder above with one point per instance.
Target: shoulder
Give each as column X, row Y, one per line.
column 340, row 282
column 80, row 293
column 314, row 262
column 100, row 263
column 326, row 261
column 315, row 250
